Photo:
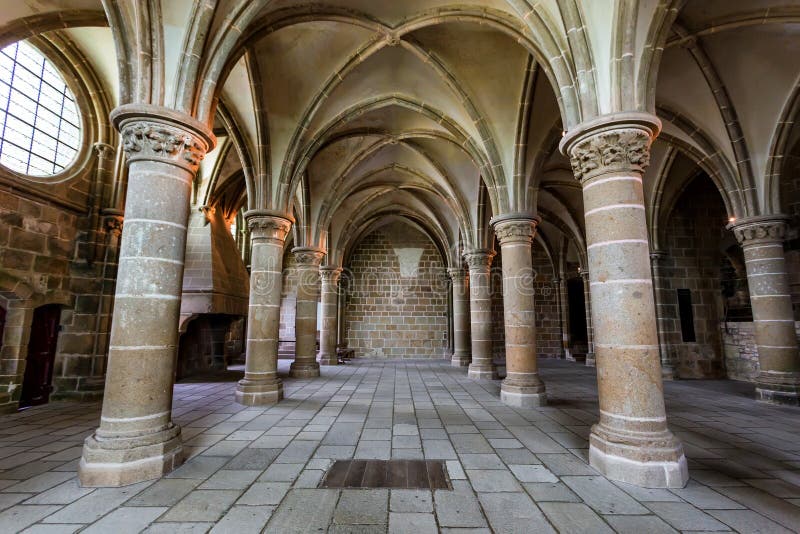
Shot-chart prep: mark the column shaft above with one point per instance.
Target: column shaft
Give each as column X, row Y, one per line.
column 762, row 238
column 563, row 310
column 261, row 384
column 631, row 443
column 461, row 330
column 522, row 386
column 330, row 316
column 587, row 304
column 659, row 293
column 136, row 439
column 305, row 363
column 480, row 309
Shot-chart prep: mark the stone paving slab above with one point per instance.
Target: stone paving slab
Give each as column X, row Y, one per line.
column 513, row 470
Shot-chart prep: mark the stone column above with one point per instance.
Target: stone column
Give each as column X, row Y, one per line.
column 330, row 315
column 261, row 384
column 563, row 310
column 660, row 288
column 461, row 357
column 587, row 304
column 136, row 439
column 305, row 363
column 480, row 310
column 762, row 239
column 631, row 443
column 522, row 386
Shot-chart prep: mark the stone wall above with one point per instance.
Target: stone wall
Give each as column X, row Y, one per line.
column 53, row 252
column 790, row 205
column 211, row 343
column 397, row 302
column 741, row 354
column 693, row 261
column 288, row 298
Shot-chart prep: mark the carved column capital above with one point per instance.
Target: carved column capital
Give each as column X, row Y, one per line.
column 330, row 275
column 457, row 274
column 265, row 225
column 153, row 133
column 308, row 256
column 104, row 150
column 613, row 143
column 515, row 228
column 479, row 258
column 763, row 229
column 113, row 224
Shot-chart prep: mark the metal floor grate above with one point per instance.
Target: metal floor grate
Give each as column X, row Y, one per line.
column 399, row 474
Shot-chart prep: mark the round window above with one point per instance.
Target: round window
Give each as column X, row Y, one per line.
column 39, row 122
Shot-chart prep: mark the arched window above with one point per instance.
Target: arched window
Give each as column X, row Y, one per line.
column 39, row 121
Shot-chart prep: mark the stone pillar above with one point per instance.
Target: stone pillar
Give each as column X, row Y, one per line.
column 587, row 304
column 261, row 384
column 480, row 311
column 631, row 443
column 563, row 310
column 136, row 439
column 461, row 357
column 305, row 363
column 660, row 288
column 330, row 315
column 522, row 386
column 761, row 239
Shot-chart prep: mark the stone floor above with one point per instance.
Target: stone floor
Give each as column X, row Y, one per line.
column 512, row 470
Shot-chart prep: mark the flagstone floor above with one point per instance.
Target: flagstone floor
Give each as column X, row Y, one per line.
column 254, row 469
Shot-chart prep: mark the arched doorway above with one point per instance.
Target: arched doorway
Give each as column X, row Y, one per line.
column 36, row 385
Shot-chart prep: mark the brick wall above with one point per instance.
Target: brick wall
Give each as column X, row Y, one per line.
column 694, row 261
column 397, row 301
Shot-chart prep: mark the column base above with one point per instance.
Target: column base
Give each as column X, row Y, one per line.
column 481, row 371
column 328, row 359
column 778, row 388
column 114, row 462
column 259, row 392
column 649, row 460
column 304, row 369
column 522, row 400
column 668, row 372
column 591, row 361
column 460, row 360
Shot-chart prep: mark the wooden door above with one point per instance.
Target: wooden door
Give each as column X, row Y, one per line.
column 36, row 385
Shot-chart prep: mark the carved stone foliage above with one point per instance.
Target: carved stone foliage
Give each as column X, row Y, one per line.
column 149, row 140
column 478, row 259
column 622, row 149
column 457, row 274
column 330, row 275
column 515, row 231
column 762, row 230
column 306, row 256
column 268, row 227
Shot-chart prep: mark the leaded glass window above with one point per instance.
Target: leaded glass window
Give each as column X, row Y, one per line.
column 39, row 122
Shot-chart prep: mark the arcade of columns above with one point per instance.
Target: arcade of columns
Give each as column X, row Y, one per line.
column 631, row 442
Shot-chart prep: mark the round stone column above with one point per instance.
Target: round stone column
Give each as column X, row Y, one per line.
column 660, row 288
column 587, row 305
column 305, row 363
column 522, row 386
column 461, row 353
column 136, row 439
column 261, row 384
column 480, row 311
column 631, row 443
column 330, row 315
column 762, row 239
column 563, row 312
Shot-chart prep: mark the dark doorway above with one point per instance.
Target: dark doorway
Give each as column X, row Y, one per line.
column 41, row 356
column 577, row 311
